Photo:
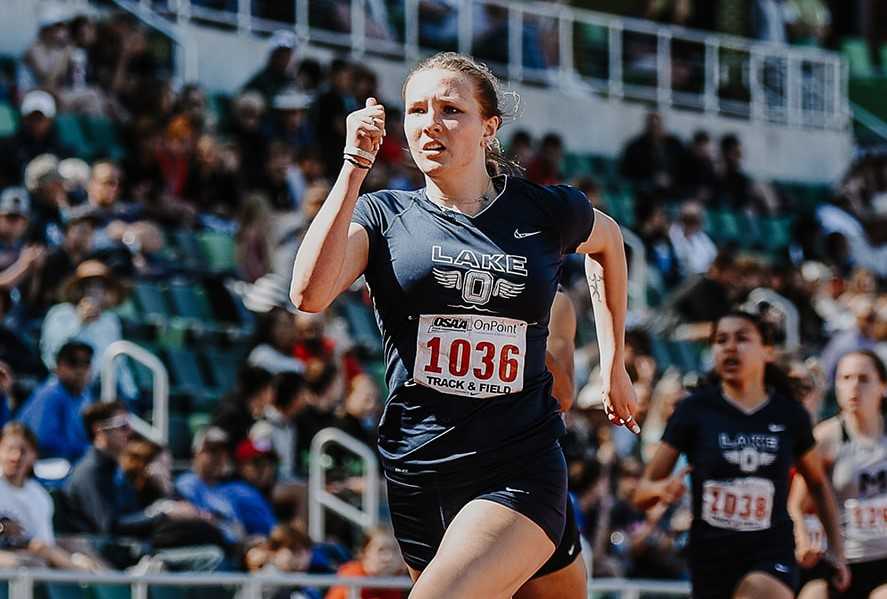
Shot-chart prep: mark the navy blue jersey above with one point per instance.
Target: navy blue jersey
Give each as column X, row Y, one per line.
column 741, row 463
column 463, row 305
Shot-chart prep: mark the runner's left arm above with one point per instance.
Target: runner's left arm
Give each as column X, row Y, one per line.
column 561, row 346
column 607, row 273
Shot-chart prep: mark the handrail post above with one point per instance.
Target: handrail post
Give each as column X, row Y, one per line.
column 244, row 16
column 758, row 99
column 793, row 91
column 319, row 497
column 712, row 75
column 159, row 429
column 358, row 27
column 22, row 586
column 565, row 45
column 303, row 20
column 515, row 42
column 614, row 74
column 411, row 29
column 637, row 281
column 663, row 68
column 465, row 26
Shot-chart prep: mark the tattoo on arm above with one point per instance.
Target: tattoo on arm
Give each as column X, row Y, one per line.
column 595, row 282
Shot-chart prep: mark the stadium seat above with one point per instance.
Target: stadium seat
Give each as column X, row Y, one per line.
column 188, row 249
column 361, row 323
column 223, row 366
column 102, row 135
column 856, row 51
column 71, row 134
column 189, row 301
column 576, row 165
column 179, row 436
column 218, row 251
column 151, row 302
column 776, row 233
column 8, row 120
column 187, row 378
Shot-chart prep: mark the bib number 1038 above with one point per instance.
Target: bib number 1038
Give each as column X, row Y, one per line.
column 473, row 356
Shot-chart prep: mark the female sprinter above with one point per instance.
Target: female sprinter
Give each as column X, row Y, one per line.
column 741, row 436
column 462, row 275
column 854, row 447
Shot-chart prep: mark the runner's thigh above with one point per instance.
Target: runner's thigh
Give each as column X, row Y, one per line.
column 567, row 583
column 758, row 585
column 487, row 551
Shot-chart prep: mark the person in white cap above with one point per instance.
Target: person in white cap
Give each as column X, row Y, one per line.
column 276, row 74
column 36, row 136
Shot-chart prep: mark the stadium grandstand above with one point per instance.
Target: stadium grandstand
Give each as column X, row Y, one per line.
column 194, row 435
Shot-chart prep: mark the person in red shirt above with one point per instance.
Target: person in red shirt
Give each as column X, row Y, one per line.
column 378, row 557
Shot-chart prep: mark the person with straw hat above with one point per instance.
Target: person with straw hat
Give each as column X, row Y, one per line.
column 85, row 314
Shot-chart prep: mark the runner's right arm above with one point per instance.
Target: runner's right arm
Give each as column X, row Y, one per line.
column 658, row 483
column 334, row 251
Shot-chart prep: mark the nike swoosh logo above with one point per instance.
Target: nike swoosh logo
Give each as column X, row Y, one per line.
column 776, row 428
column 510, row 490
column 519, row 235
column 570, row 550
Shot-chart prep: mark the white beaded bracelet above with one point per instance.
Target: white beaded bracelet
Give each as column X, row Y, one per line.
column 355, row 151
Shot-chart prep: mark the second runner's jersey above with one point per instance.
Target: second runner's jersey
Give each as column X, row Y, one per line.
column 741, row 463
column 859, row 476
column 463, row 305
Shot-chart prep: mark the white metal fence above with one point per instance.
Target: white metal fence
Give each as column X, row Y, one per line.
column 117, row 585
column 578, row 51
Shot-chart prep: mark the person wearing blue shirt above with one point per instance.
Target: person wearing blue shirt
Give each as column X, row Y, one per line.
column 53, row 412
column 199, row 486
column 256, row 465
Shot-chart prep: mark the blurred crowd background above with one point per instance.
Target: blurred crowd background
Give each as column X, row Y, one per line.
column 134, row 208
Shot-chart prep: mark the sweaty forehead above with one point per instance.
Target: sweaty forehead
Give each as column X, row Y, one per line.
column 436, row 83
column 731, row 325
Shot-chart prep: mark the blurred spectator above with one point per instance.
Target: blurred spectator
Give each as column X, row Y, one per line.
column 379, row 556
column 330, row 109
column 286, row 550
column 26, row 509
column 860, row 336
column 250, row 492
column 37, row 135
column 238, row 411
column 360, row 409
column 18, row 259
column 706, row 298
column 770, row 19
column 736, row 189
column 698, row 175
column 283, row 183
column 86, row 315
column 812, row 26
column 275, row 335
column 545, row 168
column 7, row 380
column 845, row 230
column 291, row 118
column 647, row 542
column 98, row 498
column 316, row 348
column 253, row 245
column 808, row 380
column 16, row 351
column 520, row 148
column 210, row 466
column 247, row 111
column 694, row 248
column 48, row 199
column 290, row 396
column 50, row 58
column 213, row 185
column 61, row 262
column 53, row 412
column 653, row 229
column 275, row 75
column 652, row 159
column 669, row 391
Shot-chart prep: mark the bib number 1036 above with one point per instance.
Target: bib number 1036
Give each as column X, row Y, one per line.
column 473, row 356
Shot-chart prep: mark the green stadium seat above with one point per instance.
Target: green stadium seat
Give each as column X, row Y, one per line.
column 882, row 55
column 576, row 165
column 223, row 366
column 102, row 135
column 189, row 301
column 188, row 249
column 777, row 233
column 362, row 324
column 856, row 51
column 111, row 591
column 8, row 120
column 71, row 134
column 151, row 301
column 59, row 590
column 218, row 251
column 184, row 370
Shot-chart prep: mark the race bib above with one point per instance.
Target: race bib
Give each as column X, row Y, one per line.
column 472, row 356
column 867, row 517
column 742, row 504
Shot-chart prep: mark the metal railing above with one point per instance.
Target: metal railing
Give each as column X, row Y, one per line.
column 786, row 308
column 158, row 429
column 579, row 51
column 22, row 582
column 318, row 496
